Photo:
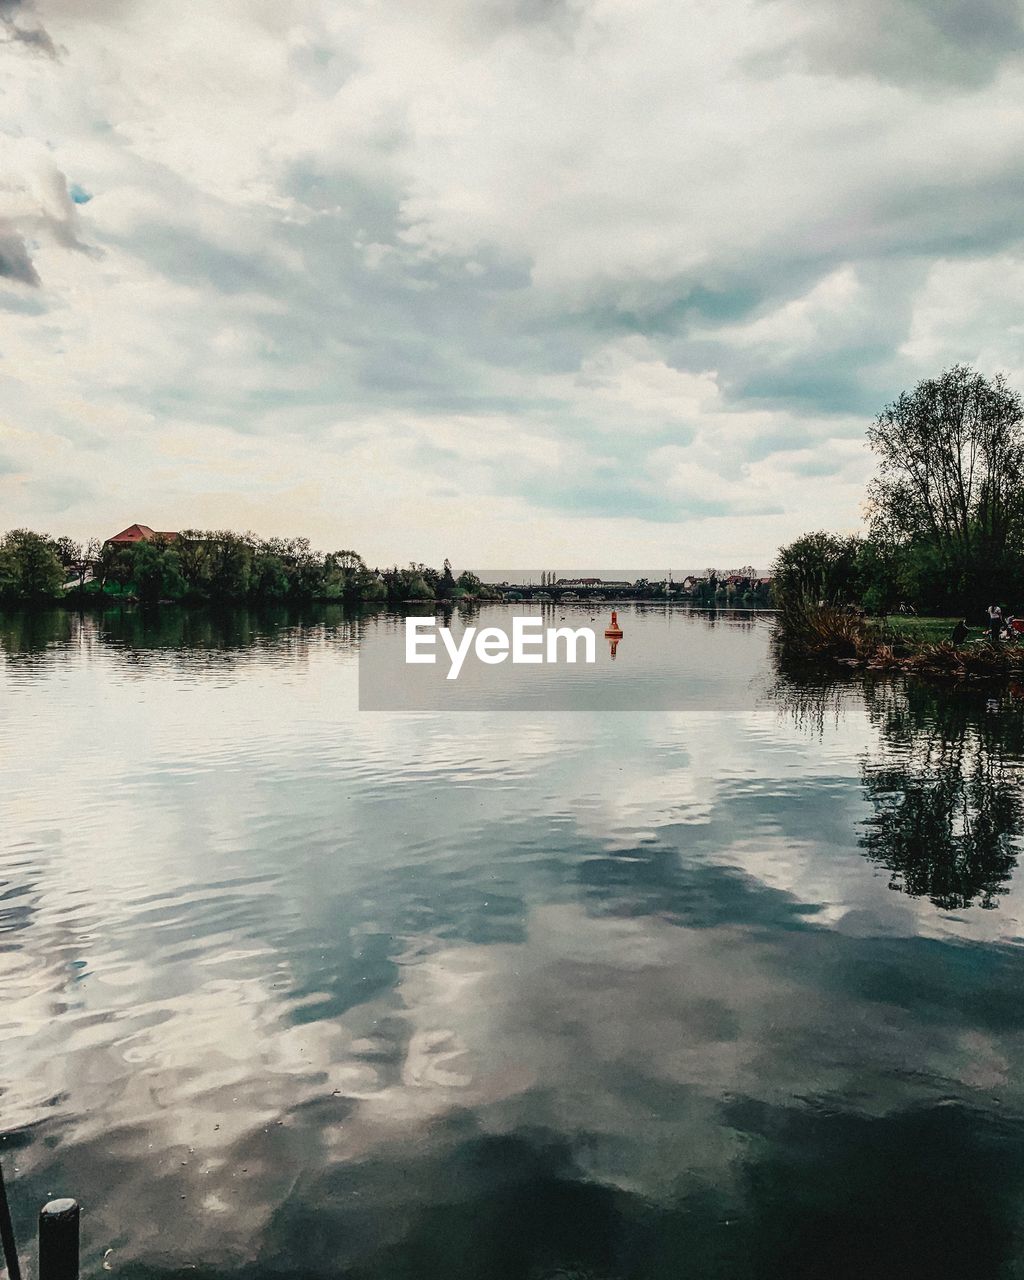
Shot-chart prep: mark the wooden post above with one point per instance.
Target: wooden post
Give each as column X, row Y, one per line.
column 58, row 1240
column 7, row 1234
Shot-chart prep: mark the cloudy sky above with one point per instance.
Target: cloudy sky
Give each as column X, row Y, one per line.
column 516, row 281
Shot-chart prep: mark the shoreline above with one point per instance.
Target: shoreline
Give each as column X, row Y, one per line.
column 94, row 601
column 830, row 637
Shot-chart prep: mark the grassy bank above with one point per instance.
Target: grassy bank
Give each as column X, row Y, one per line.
column 922, row 630
column 919, row 646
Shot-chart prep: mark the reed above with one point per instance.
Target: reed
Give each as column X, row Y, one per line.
column 811, row 630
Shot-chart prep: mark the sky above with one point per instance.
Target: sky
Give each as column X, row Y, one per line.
column 539, row 282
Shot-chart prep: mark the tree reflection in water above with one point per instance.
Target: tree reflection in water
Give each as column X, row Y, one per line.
column 944, row 779
column 946, row 792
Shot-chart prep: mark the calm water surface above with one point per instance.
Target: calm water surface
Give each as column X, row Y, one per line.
column 728, row 990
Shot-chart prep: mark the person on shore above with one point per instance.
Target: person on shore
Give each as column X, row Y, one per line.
column 960, row 632
column 995, row 622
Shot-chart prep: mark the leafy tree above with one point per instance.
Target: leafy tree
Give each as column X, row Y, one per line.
column 445, row 587
column 227, row 565
column 69, row 552
column 306, row 571
column 191, row 558
column 113, row 565
column 268, row 578
column 819, row 568
column 950, row 484
column 410, row 584
column 156, row 571
column 30, row 567
column 370, row 588
column 354, row 580
column 430, row 577
column 882, row 578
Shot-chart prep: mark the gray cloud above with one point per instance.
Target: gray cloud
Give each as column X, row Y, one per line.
column 558, row 19
column 18, row 25
column 15, row 262
column 34, row 202
column 962, row 43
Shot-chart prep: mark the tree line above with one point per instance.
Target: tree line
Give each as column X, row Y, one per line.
column 945, row 511
column 211, row 566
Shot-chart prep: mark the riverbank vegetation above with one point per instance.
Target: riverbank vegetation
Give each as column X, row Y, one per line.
column 828, row 632
column 210, row 566
column 944, row 536
column 945, row 527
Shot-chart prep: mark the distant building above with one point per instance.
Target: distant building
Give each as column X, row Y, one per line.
column 137, row 533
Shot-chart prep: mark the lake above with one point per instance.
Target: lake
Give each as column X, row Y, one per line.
column 716, row 973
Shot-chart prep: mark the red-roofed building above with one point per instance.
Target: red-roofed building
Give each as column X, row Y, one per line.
column 137, row 533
